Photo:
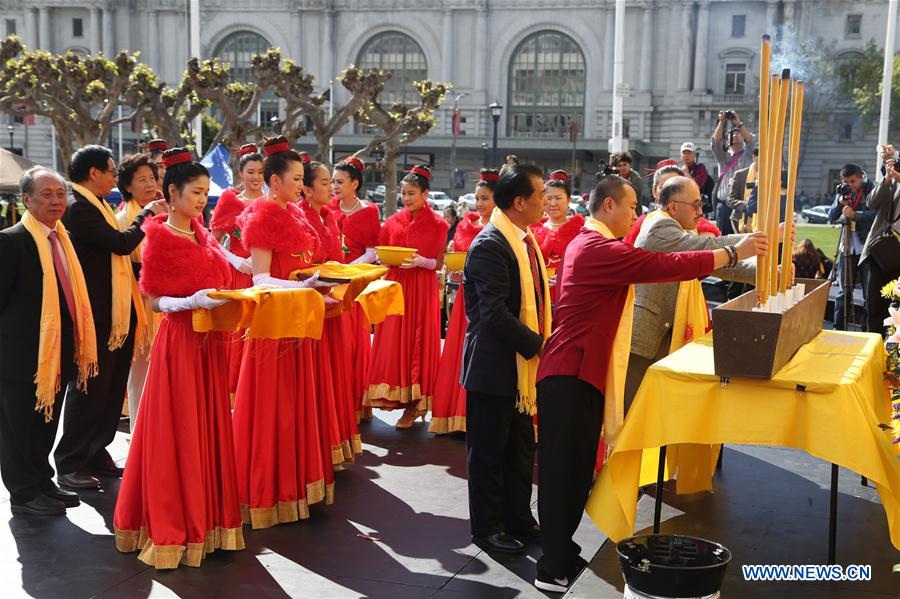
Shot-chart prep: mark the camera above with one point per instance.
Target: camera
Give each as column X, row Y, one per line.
column 843, row 189
column 729, row 115
column 605, row 170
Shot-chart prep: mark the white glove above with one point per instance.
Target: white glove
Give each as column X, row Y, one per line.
column 200, row 299
column 312, row 282
column 418, row 261
column 368, row 257
column 240, row 264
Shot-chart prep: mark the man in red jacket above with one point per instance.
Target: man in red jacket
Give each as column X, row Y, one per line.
column 585, row 358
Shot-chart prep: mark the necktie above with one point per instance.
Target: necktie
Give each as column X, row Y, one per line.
column 62, row 276
column 538, row 286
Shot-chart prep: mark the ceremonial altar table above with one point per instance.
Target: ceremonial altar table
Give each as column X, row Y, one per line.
column 828, row 400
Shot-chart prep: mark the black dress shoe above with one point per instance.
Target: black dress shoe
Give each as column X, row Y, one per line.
column 499, row 543
column 68, row 498
column 530, row 535
column 108, row 469
column 39, row 506
column 78, row 480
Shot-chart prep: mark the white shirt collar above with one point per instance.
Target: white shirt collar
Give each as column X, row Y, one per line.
column 522, row 234
column 47, row 230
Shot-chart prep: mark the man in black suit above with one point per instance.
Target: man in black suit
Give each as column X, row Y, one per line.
column 91, row 417
column 25, row 438
column 500, row 438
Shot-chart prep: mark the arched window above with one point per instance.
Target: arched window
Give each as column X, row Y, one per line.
column 238, row 49
column 546, row 86
column 403, row 57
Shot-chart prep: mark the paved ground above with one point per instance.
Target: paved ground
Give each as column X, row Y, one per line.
column 409, row 490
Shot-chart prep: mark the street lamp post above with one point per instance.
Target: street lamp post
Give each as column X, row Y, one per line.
column 484, row 154
column 496, row 109
column 10, row 129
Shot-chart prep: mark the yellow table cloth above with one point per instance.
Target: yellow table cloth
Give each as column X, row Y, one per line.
column 682, row 402
column 266, row 313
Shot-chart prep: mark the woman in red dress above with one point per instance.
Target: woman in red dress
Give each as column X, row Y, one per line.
column 448, row 411
column 224, row 228
column 334, row 364
column 276, row 427
column 407, row 348
column 178, row 500
column 359, row 223
column 558, row 228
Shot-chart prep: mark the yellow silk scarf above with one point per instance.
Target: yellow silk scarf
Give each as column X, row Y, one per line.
column 125, row 292
column 49, row 364
column 748, row 225
column 526, row 369
column 124, row 218
column 691, row 316
column 614, row 400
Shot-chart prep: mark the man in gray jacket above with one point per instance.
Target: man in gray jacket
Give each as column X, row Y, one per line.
column 654, row 303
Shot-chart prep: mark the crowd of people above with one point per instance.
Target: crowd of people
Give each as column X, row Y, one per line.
column 563, row 305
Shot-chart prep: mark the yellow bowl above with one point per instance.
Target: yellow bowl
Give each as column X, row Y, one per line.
column 392, row 255
column 455, row 260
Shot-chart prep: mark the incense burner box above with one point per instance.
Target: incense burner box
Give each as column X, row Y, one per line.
column 757, row 344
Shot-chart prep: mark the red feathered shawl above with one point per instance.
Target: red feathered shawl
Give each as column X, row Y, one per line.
column 469, row 226
column 553, row 242
column 427, row 232
column 265, row 224
column 177, row 266
column 360, row 229
column 329, row 247
column 224, row 218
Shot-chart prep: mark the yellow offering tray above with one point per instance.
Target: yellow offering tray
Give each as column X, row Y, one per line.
column 455, row 260
column 394, row 255
column 353, row 278
column 266, row 313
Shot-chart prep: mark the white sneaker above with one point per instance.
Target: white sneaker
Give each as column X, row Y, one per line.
column 554, row 585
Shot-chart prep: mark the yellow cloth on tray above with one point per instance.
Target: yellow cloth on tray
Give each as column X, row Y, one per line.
column 682, row 401
column 360, row 276
column 381, row 299
column 266, row 313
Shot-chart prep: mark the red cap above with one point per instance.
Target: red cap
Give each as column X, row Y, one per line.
column 157, row 145
column 354, row 162
column 489, row 177
column 248, row 149
column 276, row 148
column 305, row 158
column 422, row 171
column 176, row 156
column 559, row 176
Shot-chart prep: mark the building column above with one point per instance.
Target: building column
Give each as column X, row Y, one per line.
column 328, row 73
column 106, row 16
column 684, row 57
column 44, row 29
column 646, row 79
column 153, row 39
column 702, row 52
column 94, row 30
column 771, row 17
column 31, row 28
column 790, row 14
column 297, row 18
column 481, row 52
column 609, row 32
column 447, row 47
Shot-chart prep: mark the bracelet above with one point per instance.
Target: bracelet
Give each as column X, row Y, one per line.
column 732, row 256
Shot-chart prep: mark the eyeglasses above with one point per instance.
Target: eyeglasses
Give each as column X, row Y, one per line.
column 697, row 206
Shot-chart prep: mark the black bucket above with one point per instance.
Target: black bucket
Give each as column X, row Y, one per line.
column 673, row 565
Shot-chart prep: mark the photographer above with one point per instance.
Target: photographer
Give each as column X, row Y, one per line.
column 850, row 209
column 732, row 155
column 621, row 161
column 881, row 253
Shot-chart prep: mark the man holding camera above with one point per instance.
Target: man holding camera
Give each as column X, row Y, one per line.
column 850, row 209
column 881, row 255
column 735, row 154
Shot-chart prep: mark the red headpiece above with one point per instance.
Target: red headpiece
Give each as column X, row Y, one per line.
column 176, row 156
column 248, row 149
column 354, row 162
column 276, row 147
column 157, row 145
column 666, row 162
column 305, row 158
column 559, row 176
column 421, row 171
column 489, row 177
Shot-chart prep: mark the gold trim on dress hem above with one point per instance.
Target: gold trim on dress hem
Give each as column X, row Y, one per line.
column 167, row 557
column 384, row 396
column 453, row 424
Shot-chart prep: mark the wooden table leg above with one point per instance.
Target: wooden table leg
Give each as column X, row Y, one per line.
column 660, row 479
column 832, row 518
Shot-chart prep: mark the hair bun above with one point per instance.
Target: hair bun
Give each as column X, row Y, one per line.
column 176, row 156
column 248, row 149
column 157, row 145
column 559, row 176
column 421, row 170
column 305, row 158
column 276, row 145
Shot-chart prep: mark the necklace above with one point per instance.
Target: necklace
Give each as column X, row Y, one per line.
column 552, row 225
column 351, row 210
column 182, row 231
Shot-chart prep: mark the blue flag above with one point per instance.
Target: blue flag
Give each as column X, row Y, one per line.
column 220, row 174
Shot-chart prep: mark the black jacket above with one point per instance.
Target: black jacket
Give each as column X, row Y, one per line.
column 495, row 335
column 21, row 292
column 95, row 241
